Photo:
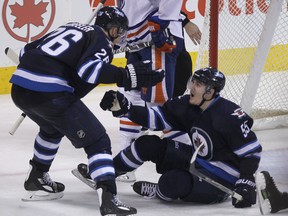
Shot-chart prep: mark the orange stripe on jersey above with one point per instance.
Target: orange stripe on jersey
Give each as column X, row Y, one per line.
column 159, row 95
column 137, row 32
column 128, row 123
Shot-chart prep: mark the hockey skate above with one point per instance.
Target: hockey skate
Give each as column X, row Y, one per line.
column 145, row 189
column 82, row 174
column 270, row 199
column 111, row 205
column 39, row 186
column 127, row 177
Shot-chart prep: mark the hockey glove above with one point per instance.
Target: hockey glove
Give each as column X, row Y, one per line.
column 247, row 189
column 116, row 102
column 139, row 75
column 160, row 34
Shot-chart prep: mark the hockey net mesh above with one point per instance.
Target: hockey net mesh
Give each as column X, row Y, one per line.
column 240, row 27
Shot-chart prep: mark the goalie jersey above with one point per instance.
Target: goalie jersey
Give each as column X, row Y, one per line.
column 71, row 58
column 231, row 149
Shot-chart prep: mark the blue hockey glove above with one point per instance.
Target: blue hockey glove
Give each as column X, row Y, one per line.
column 116, row 102
column 247, row 189
column 161, row 35
column 139, row 75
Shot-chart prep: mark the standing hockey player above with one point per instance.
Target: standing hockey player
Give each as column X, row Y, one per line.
column 231, row 151
column 158, row 22
column 270, row 199
column 54, row 73
column 184, row 64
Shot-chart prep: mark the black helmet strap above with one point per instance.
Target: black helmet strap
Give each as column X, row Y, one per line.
column 208, row 89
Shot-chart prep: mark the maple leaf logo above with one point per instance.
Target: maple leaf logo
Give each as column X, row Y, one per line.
column 28, row 13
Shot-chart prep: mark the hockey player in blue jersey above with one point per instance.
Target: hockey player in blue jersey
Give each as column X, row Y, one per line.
column 54, row 73
column 231, row 151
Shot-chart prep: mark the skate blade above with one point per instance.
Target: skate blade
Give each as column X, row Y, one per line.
column 41, row 196
column 88, row 182
column 127, row 178
column 119, row 214
column 264, row 204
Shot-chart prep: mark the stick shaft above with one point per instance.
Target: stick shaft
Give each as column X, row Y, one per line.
column 12, row 55
column 17, row 124
column 15, row 58
column 98, row 7
column 195, row 172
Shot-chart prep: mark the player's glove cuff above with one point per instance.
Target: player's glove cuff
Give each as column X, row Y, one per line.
column 160, row 34
column 246, row 187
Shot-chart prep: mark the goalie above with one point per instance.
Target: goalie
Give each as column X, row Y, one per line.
column 231, row 151
column 54, row 73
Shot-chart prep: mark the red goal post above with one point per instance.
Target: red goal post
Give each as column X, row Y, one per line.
column 247, row 40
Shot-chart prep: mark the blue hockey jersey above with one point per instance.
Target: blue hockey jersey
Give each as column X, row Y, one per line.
column 72, row 58
column 231, row 149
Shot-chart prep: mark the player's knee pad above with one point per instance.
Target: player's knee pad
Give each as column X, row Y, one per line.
column 176, row 156
column 54, row 136
column 175, row 184
column 102, row 145
column 203, row 192
column 150, row 148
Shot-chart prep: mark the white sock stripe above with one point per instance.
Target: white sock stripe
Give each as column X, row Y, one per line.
column 104, row 170
column 46, row 144
column 43, row 157
column 100, row 157
column 128, row 162
column 135, row 154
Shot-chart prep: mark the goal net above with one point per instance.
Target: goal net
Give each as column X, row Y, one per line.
column 248, row 41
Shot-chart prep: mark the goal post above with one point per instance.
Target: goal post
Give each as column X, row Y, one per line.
column 261, row 54
column 252, row 50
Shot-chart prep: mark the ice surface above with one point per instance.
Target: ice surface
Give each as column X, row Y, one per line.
column 79, row 199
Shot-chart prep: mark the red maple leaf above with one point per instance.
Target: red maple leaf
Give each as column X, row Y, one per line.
column 28, row 13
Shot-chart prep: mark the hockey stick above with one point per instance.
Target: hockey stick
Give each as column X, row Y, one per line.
column 195, row 172
column 97, row 8
column 14, row 57
column 11, row 54
column 145, row 44
column 133, row 48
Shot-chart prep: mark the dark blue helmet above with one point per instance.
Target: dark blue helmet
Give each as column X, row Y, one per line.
column 210, row 77
column 110, row 16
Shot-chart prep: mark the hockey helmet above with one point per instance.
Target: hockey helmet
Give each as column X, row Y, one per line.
column 110, row 16
column 211, row 77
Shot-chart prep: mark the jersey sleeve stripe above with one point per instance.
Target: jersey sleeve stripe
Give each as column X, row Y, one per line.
column 248, row 148
column 90, row 71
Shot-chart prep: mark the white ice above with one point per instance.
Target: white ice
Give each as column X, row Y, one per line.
column 79, row 199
